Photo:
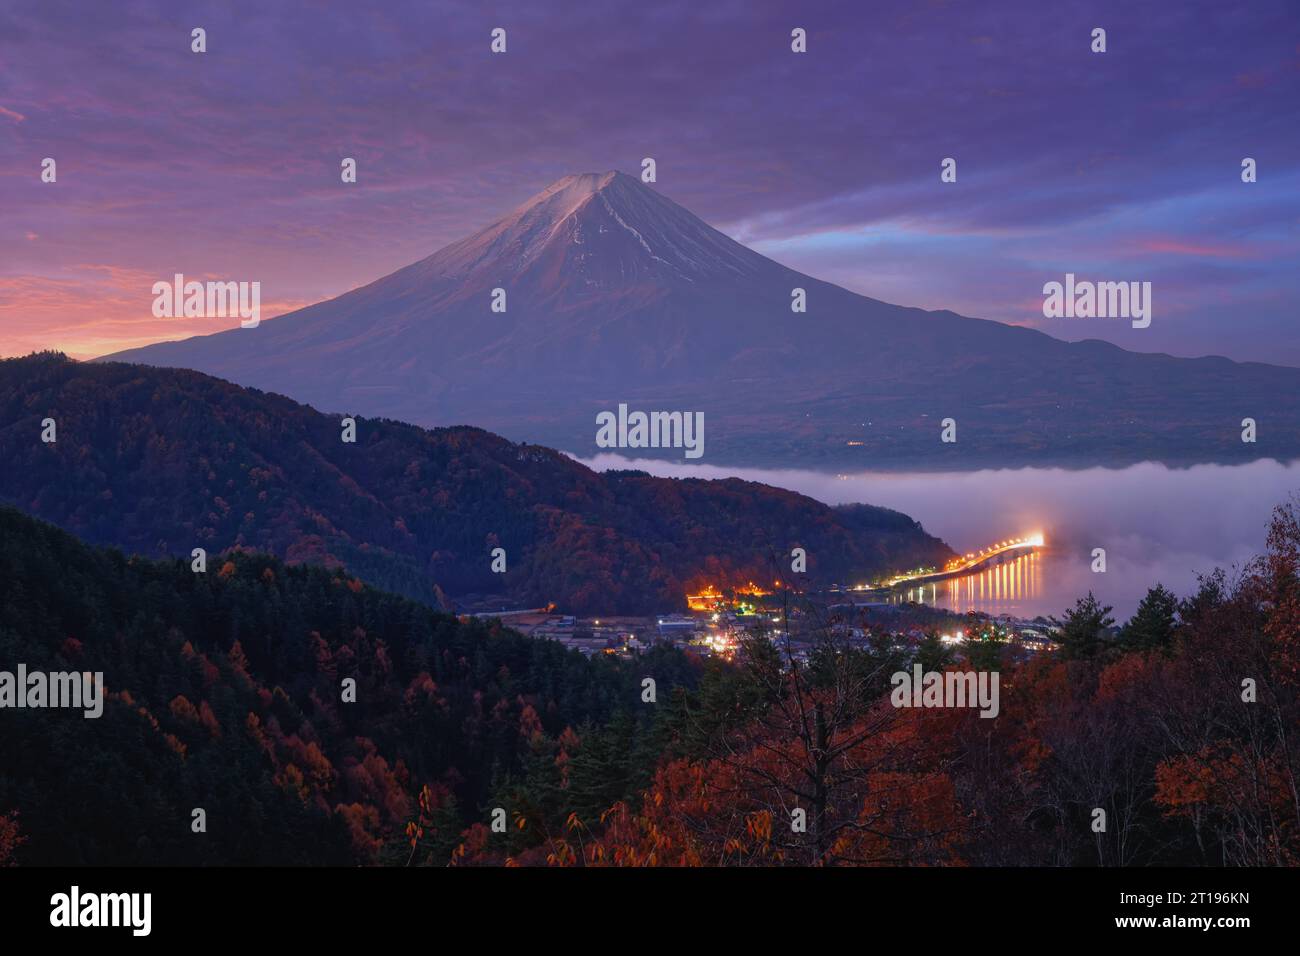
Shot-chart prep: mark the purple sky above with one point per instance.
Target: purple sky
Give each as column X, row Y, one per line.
column 1123, row 165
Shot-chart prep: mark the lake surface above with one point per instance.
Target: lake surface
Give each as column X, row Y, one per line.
column 1157, row 524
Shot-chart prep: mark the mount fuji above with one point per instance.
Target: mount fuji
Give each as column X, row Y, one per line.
column 615, row 294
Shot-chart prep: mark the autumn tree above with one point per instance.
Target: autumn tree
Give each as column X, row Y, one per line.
column 1232, row 773
column 816, row 762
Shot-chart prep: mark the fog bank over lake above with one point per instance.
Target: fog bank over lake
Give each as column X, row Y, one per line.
column 1156, row 523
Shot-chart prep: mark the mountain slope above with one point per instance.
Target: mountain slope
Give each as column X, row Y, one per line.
column 222, row 692
column 616, row 294
column 160, row 461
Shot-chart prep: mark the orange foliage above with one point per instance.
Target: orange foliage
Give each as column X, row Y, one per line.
column 735, row 812
column 363, row 828
column 182, row 709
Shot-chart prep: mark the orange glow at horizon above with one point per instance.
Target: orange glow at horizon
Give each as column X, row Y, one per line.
column 95, row 310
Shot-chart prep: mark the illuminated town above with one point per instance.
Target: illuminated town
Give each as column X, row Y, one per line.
column 905, row 606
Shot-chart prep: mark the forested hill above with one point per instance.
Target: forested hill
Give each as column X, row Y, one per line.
column 224, row 693
column 160, row 461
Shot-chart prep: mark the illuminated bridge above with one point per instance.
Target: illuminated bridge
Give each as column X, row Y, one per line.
column 971, row 562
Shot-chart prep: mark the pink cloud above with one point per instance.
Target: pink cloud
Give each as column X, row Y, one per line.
column 1167, row 245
